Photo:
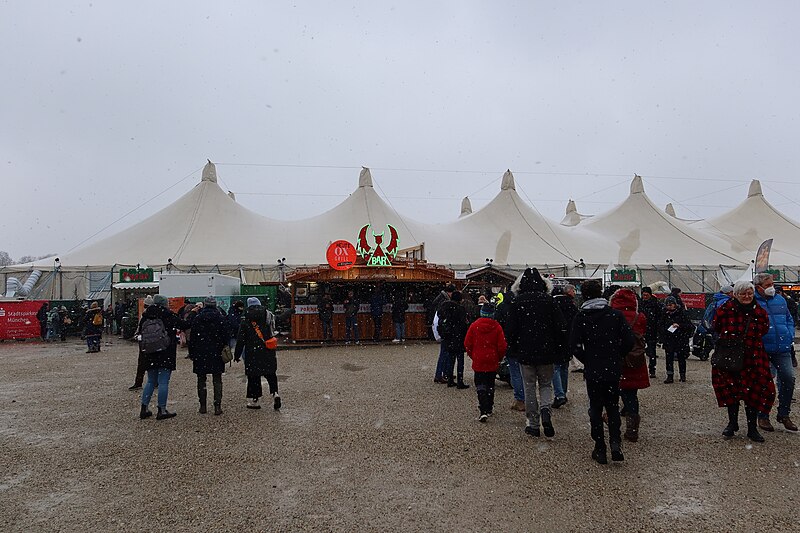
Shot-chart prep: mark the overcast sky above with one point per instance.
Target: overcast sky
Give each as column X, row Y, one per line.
column 107, row 104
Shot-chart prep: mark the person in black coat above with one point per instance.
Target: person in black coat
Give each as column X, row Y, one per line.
column 160, row 362
column 674, row 331
column 253, row 335
column 453, row 330
column 41, row 316
column 653, row 310
column 600, row 339
column 399, row 308
column 209, row 335
column 566, row 304
column 93, row 332
column 535, row 334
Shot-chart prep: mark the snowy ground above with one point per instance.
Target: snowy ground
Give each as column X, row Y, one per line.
column 365, row 442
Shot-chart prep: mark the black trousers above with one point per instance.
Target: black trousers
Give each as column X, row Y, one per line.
column 456, row 359
column 604, row 395
column 484, row 385
column 43, row 329
column 141, row 368
column 378, row 320
column 650, row 350
column 254, row 384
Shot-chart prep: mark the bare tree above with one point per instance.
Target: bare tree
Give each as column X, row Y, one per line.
column 5, row 259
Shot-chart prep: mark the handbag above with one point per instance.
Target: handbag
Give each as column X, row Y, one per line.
column 729, row 352
column 271, row 343
column 227, row 354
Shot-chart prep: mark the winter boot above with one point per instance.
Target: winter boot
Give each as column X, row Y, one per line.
column 752, row 425
column 632, row 428
column 669, row 379
column 547, row 423
column 217, row 408
column 145, row 412
column 733, row 421
column 616, row 451
column 683, row 378
column 276, row 401
column 163, row 414
column 202, row 395
column 599, row 454
column 461, row 384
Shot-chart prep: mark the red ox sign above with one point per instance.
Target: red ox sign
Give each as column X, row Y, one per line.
column 18, row 319
column 341, row 255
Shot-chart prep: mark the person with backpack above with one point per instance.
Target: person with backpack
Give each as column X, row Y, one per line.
column 93, row 327
column 256, row 335
column 452, row 328
column 141, row 361
column 674, row 332
column 601, row 338
column 634, row 367
column 159, row 327
column 535, row 328
column 486, row 346
column 209, row 335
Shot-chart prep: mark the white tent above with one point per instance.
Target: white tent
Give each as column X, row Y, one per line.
column 752, row 222
column 642, row 234
column 508, row 231
column 572, row 217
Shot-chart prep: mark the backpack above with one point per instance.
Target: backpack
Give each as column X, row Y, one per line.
column 636, row 357
column 97, row 319
column 154, row 336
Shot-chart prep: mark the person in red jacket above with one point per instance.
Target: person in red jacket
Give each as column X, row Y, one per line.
column 633, row 378
column 486, row 346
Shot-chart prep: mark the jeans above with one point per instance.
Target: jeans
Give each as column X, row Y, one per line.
column 93, row 342
column 533, row 376
column 351, row 327
column 560, row 379
column 400, row 330
column 630, row 401
column 784, row 374
column 516, row 379
column 441, row 364
column 327, row 329
column 604, row 395
column 484, row 385
column 452, row 359
column 160, row 375
column 680, row 354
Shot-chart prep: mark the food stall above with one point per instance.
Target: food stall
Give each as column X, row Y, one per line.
column 416, row 281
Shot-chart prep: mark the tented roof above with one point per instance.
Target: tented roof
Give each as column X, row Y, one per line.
column 752, row 222
column 509, row 231
column 572, row 217
column 642, row 234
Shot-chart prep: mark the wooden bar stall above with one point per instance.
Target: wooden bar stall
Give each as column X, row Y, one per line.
column 413, row 280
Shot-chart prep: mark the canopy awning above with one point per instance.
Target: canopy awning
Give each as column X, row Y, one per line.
column 136, row 286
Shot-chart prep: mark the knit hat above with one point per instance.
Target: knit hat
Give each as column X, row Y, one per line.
column 252, row 301
column 487, row 310
column 670, row 300
column 95, row 305
column 210, row 302
column 647, row 290
column 63, row 308
column 160, row 300
column 148, row 301
column 726, row 289
column 532, row 281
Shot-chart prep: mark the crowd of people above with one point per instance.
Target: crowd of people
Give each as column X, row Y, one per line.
column 614, row 334
column 213, row 339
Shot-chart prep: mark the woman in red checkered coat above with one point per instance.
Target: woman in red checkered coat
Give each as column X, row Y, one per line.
column 753, row 384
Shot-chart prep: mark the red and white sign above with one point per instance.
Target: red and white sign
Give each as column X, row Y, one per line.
column 341, row 255
column 18, row 319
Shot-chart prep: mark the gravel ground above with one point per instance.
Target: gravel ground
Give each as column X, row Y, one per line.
column 365, row 441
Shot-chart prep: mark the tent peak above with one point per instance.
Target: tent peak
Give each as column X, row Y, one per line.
column 755, row 189
column 466, row 207
column 365, row 178
column 670, row 210
column 508, row 181
column 637, row 186
column 209, row 172
column 571, row 207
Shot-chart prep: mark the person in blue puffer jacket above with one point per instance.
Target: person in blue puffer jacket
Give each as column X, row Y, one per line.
column 778, row 344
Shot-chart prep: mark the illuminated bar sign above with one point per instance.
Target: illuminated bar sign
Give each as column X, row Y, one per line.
column 136, row 275
column 623, row 276
column 379, row 254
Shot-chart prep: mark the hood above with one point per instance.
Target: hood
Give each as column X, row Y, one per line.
column 154, row 311
column 256, row 312
column 485, row 325
column 531, row 280
column 720, row 298
column 624, row 300
column 595, row 303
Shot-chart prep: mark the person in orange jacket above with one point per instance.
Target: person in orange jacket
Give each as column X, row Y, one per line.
column 486, row 346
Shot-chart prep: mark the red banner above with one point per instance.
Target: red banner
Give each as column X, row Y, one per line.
column 18, row 319
column 690, row 300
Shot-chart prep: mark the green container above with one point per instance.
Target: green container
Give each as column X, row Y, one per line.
column 268, row 294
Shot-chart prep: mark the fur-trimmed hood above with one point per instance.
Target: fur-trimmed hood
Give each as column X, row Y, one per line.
column 531, row 280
